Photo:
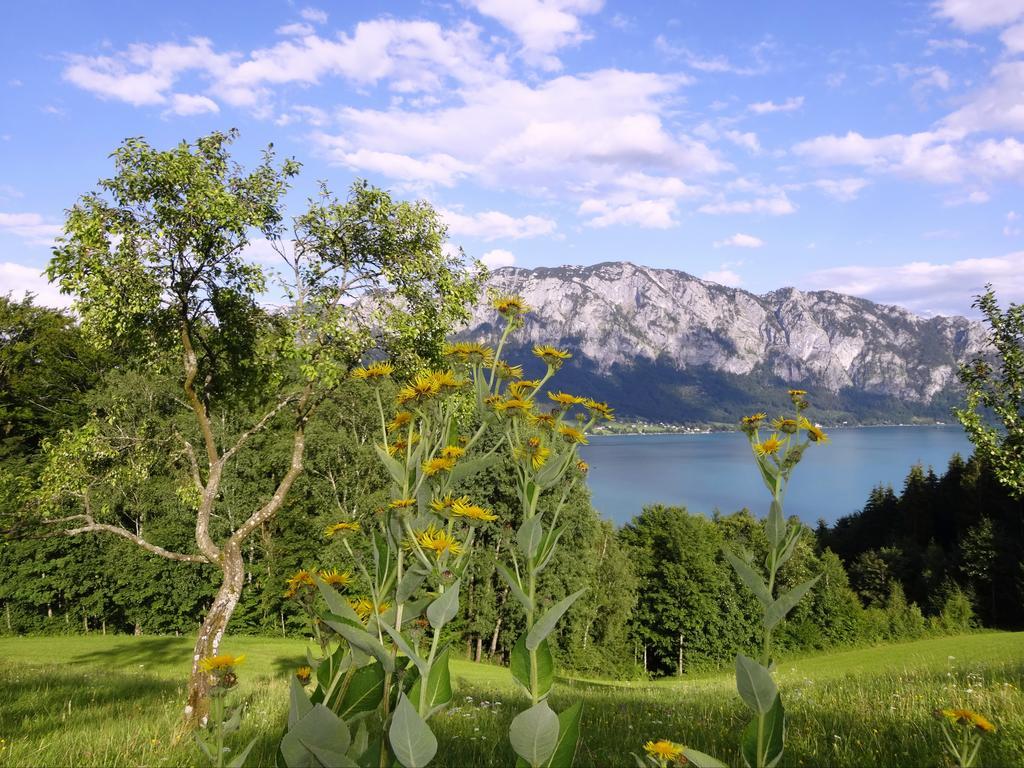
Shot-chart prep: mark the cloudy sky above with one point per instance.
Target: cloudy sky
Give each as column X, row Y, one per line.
column 873, row 148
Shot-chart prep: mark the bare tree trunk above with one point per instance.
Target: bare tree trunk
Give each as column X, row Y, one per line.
column 211, row 633
column 479, row 647
column 680, row 663
column 494, row 637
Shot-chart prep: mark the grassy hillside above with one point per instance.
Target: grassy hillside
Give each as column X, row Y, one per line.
column 115, row 700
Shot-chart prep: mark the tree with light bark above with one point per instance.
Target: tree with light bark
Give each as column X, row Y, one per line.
column 158, row 260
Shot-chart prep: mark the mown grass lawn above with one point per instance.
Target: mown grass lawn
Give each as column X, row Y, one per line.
column 95, row 700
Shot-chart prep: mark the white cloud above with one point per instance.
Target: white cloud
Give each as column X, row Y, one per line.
column 766, row 107
column 436, row 168
column 955, row 44
column 542, row 26
column 20, row 280
column 926, row 154
column 185, row 104
column 775, row 205
column 658, row 186
column 723, row 276
column 314, row 15
column 843, row 190
column 648, row 214
column 33, row 228
column 971, row 197
column 494, row 225
column 498, row 258
column 975, row 15
column 748, row 140
column 997, row 106
column 928, row 286
column 739, row 240
column 712, row 64
column 1013, row 39
column 295, row 30
column 1010, row 229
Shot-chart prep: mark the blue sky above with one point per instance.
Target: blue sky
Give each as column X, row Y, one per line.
column 873, row 148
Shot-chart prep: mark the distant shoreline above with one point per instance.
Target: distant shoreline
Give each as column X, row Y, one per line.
column 710, row 431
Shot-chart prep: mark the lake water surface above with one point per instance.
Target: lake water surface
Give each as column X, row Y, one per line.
column 705, row 472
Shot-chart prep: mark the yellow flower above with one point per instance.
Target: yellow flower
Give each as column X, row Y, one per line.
column 566, row 400
column 437, row 465
column 399, row 446
column 373, row 371
column 444, row 380
column 600, row 409
column 534, row 452
column 510, row 306
column 438, row 541
column 968, row 718
column 221, row 661
column 514, row 405
column 470, row 352
column 305, row 674
column 552, row 356
column 336, row 578
column 452, row 452
column 364, row 607
column 402, row 418
column 506, row 371
column 462, row 508
column 447, row 502
column 419, row 390
column 814, row 432
column 402, row 503
column 663, row 750
column 768, row 447
column 545, row 421
column 789, row 426
column 345, row 526
column 582, row 466
column 755, row 420
column 571, row 435
column 522, row 388
column 299, row 580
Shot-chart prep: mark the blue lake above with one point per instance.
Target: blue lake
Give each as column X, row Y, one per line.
column 717, row 471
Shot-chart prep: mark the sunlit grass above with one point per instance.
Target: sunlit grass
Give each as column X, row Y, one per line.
column 116, row 700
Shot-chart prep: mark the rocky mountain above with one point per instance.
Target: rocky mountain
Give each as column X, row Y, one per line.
column 663, row 345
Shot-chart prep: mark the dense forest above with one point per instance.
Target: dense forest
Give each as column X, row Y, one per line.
column 940, row 554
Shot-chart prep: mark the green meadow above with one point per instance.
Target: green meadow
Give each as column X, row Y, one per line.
column 110, row 701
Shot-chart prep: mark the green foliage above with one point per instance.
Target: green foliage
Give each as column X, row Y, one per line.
column 995, row 388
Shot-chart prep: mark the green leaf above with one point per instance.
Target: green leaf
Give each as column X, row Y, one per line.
column 463, row 470
column 364, row 693
column 439, row 685
column 323, row 735
column 777, row 611
column 773, row 740
column 239, row 760
column 337, row 604
column 394, row 467
column 547, row 622
column 755, row 685
column 750, row 578
column 550, row 472
column 204, row 747
column 234, row 721
column 405, row 648
column 699, row 760
column 775, row 525
column 513, row 584
column 445, row 606
column 568, row 737
column 412, row 741
column 529, row 535
column 411, row 581
column 534, row 734
column 519, row 665
column 548, row 546
column 299, row 704
column 365, row 642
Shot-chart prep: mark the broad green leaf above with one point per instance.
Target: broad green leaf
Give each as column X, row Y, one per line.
column 548, row 546
column 364, row 693
column 463, row 470
column 568, row 737
column 755, row 685
column 204, row 747
column 439, row 685
column 790, row 547
column 750, row 578
column 513, row 584
column 234, row 721
column 550, row 472
column 405, row 648
column 547, row 622
column 519, row 665
column 444, row 607
column 411, row 581
column 239, row 760
column 412, row 741
column 775, row 525
column 529, row 535
column 394, row 467
column 383, row 563
column 534, row 734
column 699, row 760
column 777, row 611
column 299, row 705
column 337, row 604
column 324, row 735
column 773, row 740
column 365, row 642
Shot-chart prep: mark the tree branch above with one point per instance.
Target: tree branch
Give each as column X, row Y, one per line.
column 92, row 526
column 258, row 426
